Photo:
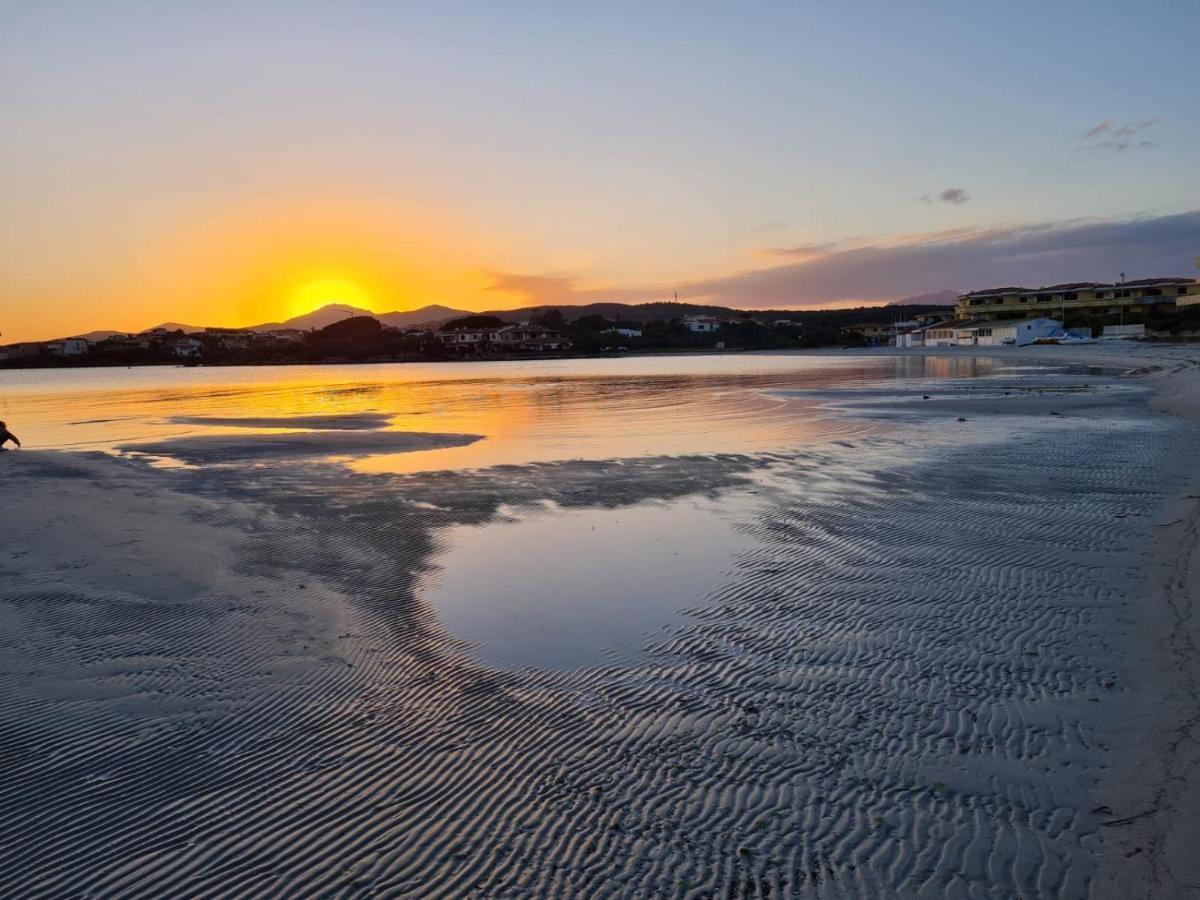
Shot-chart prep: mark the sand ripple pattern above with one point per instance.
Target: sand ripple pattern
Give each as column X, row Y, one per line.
column 901, row 691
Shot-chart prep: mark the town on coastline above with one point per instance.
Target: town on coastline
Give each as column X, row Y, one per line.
column 1163, row 308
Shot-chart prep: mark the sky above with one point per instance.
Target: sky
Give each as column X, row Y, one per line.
column 236, row 163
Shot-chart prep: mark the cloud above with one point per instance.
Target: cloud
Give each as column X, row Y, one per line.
column 1127, row 130
column 553, row 290
column 1122, row 137
column 801, row 251
column 881, row 270
column 956, row 196
column 530, row 287
column 1033, row 254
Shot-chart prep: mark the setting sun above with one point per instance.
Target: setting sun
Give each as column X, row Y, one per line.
column 321, row 292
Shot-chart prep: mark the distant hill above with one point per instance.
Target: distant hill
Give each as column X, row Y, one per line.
column 335, row 312
column 935, row 298
column 629, row 312
column 435, row 314
column 176, row 326
column 94, row 336
column 426, row 315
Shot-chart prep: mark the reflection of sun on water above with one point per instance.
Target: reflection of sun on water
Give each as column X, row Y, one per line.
column 323, row 291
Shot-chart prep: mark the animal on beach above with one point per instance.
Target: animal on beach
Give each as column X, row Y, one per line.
column 6, row 436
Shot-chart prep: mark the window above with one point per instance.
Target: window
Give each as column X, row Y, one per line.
column 1071, row 295
column 1181, row 291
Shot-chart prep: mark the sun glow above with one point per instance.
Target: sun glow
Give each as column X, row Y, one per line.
column 323, row 291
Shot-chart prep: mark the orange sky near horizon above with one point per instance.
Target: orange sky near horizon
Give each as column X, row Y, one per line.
column 261, row 263
column 277, row 258
column 270, row 260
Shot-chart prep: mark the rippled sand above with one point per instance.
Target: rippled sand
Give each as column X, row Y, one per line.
column 908, row 683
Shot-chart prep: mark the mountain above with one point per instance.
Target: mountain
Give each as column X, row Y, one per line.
column 176, row 326
column 628, row 312
column 934, row 298
column 434, row 312
column 93, row 336
column 318, row 318
column 335, row 312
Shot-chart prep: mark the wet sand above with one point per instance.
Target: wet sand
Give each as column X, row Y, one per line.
column 949, row 660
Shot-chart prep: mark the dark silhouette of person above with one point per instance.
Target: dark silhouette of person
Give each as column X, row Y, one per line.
column 6, row 436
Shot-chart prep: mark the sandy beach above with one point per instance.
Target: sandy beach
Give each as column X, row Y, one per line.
column 951, row 652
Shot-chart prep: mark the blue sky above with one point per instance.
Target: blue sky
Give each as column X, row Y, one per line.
column 627, row 148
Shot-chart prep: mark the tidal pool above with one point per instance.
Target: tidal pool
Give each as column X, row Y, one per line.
column 570, row 588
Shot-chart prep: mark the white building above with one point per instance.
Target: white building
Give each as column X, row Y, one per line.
column 464, row 337
column 67, row 347
column 985, row 333
column 945, row 334
column 701, row 324
column 187, row 348
column 624, row 332
column 1014, row 333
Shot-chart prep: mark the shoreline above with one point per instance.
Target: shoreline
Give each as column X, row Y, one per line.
column 852, row 716
column 1154, row 787
column 830, row 349
column 1157, row 779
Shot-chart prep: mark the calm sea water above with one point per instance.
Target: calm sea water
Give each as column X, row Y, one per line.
column 607, row 580
column 526, row 411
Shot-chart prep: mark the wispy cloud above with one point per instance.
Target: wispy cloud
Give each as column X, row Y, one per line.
column 548, row 290
column 886, row 269
column 1118, row 138
column 952, row 195
column 801, row 251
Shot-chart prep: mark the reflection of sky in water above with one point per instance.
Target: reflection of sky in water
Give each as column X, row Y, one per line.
column 565, row 589
column 528, row 411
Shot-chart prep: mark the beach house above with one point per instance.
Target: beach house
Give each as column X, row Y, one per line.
column 1014, row 333
column 947, row 334
column 987, row 333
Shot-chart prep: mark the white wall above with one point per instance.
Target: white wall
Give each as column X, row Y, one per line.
column 1017, row 333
